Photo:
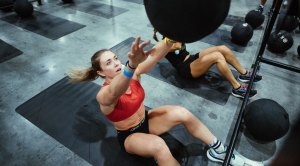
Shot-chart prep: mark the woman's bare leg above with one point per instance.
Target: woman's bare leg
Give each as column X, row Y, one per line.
column 206, row 60
column 163, row 118
column 231, row 59
column 149, row 145
column 228, row 55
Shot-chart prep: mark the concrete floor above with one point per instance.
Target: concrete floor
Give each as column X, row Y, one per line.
column 45, row 61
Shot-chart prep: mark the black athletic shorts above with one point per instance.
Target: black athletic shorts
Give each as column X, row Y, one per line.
column 142, row 127
column 185, row 68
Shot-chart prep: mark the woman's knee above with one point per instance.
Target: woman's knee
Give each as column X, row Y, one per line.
column 218, row 57
column 181, row 114
column 225, row 51
column 223, row 48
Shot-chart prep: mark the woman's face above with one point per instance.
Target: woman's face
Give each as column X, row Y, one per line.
column 110, row 65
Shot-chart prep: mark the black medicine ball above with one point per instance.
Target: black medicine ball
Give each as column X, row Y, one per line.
column 186, row 20
column 254, row 18
column 280, row 42
column 241, row 33
column 23, row 8
column 287, row 22
column 266, row 120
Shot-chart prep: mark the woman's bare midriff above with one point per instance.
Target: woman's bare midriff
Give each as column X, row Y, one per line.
column 132, row 121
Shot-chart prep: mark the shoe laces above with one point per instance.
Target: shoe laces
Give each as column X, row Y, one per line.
column 249, row 73
column 244, row 87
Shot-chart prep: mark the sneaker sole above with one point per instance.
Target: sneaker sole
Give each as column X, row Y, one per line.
column 209, row 156
column 215, row 159
column 246, row 81
column 238, row 96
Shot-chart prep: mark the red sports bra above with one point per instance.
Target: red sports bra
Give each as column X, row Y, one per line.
column 127, row 104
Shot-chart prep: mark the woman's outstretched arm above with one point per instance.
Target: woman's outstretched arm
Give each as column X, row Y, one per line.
column 154, row 55
column 120, row 83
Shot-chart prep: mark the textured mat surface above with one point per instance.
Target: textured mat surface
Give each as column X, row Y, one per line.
column 95, row 8
column 70, row 114
column 136, row 1
column 7, row 51
column 232, row 20
column 49, row 26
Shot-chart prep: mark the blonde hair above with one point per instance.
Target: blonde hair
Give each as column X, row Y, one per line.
column 90, row 73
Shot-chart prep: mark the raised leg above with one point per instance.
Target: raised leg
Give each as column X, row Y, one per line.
column 206, row 60
column 163, row 118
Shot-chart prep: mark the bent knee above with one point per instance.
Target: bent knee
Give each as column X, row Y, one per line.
column 181, row 114
column 218, row 56
column 223, row 48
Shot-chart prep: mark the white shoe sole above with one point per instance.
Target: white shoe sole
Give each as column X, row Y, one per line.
column 246, row 81
column 238, row 96
column 246, row 161
column 212, row 158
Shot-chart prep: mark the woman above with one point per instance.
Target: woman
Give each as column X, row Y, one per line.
column 194, row 66
column 121, row 101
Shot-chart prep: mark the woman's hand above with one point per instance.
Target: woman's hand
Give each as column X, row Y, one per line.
column 137, row 54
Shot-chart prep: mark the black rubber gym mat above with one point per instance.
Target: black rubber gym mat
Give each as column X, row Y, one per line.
column 43, row 24
column 232, row 20
column 96, row 8
column 223, row 37
column 7, row 51
column 141, row 2
column 70, row 114
column 211, row 86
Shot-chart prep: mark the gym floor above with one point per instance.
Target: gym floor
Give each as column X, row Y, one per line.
column 44, row 61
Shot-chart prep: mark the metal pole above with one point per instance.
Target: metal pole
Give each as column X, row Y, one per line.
column 245, row 100
column 281, row 65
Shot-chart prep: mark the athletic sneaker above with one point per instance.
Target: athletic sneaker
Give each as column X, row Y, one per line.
column 246, row 77
column 241, row 91
column 260, row 8
column 236, row 160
